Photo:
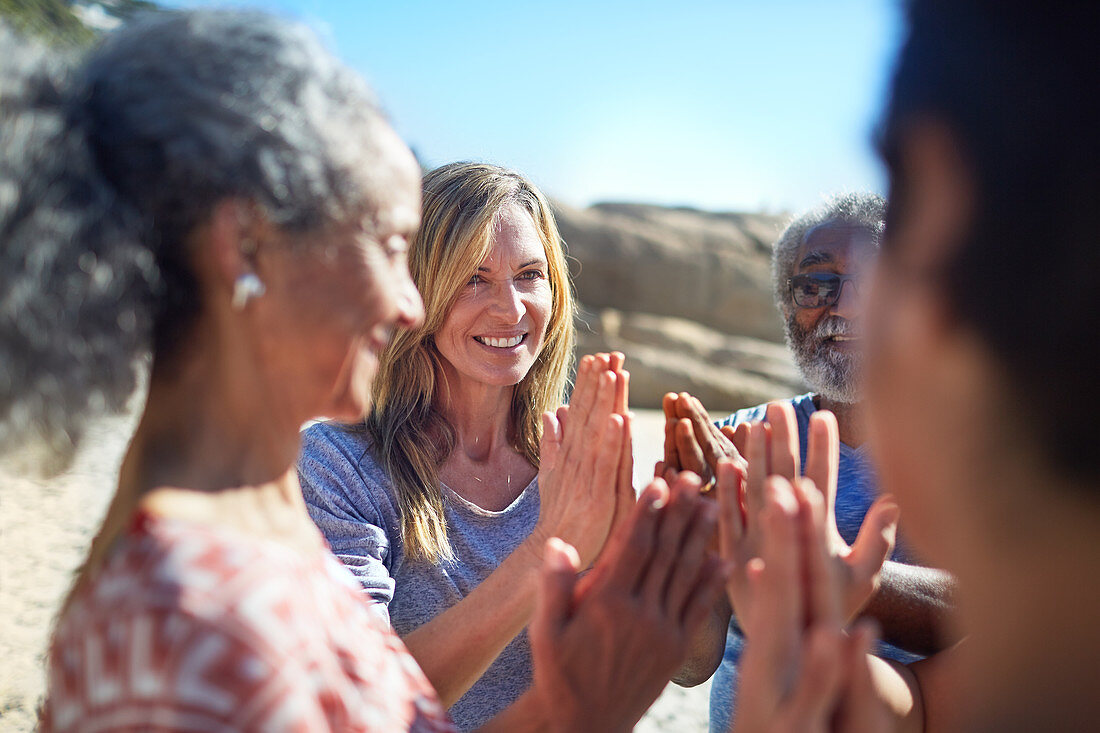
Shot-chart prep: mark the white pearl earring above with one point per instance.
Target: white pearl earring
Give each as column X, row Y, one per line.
column 247, row 287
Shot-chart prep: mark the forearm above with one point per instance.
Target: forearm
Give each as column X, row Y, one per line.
column 912, row 606
column 456, row 647
column 706, row 648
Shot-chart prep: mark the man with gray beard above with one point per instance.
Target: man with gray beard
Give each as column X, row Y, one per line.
column 820, row 266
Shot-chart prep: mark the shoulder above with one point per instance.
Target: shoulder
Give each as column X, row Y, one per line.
column 803, row 405
column 338, row 469
column 172, row 603
column 333, row 441
column 213, row 622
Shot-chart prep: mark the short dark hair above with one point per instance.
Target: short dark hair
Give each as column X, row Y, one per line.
column 1015, row 83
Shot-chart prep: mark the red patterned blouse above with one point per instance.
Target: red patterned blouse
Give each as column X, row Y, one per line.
column 190, row 627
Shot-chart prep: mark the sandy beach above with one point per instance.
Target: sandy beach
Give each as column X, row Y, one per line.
column 45, row 528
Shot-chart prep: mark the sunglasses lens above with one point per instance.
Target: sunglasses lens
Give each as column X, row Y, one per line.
column 814, row 291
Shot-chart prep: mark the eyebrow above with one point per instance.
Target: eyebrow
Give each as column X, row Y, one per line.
column 525, row 264
column 817, row 257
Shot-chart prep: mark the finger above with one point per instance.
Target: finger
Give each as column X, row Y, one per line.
column 822, row 592
column 659, row 469
column 562, row 415
column 782, row 556
column 615, row 361
column 550, row 443
column 624, row 494
column 687, row 447
column 557, row 579
column 622, row 393
column 731, row 526
column 714, row 443
column 602, row 362
column 668, row 404
column 605, row 462
column 823, row 455
column 875, row 540
column 784, row 441
column 634, row 543
column 691, row 557
column 708, row 587
column 757, row 473
column 601, row 407
column 739, row 436
column 816, row 692
column 671, row 535
column 585, row 390
column 672, row 457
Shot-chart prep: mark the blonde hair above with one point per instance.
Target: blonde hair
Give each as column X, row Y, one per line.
column 411, row 438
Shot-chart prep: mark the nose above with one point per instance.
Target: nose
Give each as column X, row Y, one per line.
column 848, row 303
column 506, row 303
column 410, row 307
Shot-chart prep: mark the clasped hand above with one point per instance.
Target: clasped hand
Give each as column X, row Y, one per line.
column 586, row 465
column 741, row 460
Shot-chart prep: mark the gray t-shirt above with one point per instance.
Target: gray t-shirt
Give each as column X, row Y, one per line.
column 352, row 501
column 857, row 489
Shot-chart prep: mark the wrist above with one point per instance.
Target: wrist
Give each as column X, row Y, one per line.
column 534, row 546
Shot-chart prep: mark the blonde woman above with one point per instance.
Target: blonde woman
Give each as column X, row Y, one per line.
column 438, row 502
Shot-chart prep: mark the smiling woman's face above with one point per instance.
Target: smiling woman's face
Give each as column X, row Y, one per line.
column 497, row 326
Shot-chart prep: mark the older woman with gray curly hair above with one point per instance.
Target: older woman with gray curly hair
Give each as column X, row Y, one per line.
column 217, row 189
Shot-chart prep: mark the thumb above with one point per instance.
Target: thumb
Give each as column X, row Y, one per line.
column 876, row 538
column 558, row 577
column 550, row 443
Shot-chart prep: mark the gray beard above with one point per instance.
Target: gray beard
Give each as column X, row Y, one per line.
column 829, row 372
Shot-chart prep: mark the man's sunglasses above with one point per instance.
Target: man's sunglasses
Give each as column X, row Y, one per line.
column 819, row 289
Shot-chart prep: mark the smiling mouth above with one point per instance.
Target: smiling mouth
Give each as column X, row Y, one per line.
column 843, row 338
column 501, row 343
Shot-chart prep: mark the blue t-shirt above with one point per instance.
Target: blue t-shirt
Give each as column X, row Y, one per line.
column 856, row 491
column 352, row 500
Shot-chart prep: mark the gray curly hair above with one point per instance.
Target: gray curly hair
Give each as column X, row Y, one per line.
column 105, row 171
column 866, row 210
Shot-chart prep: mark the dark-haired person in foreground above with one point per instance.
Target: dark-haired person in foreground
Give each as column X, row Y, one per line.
column 216, row 188
column 985, row 285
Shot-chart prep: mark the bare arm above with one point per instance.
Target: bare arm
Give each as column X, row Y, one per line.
column 579, row 479
column 912, row 605
column 456, row 647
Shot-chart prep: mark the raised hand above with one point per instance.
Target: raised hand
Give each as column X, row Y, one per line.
column 582, row 459
column 604, row 647
column 692, row 441
column 772, row 449
column 799, row 671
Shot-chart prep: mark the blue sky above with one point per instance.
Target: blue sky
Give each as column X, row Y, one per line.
column 724, row 105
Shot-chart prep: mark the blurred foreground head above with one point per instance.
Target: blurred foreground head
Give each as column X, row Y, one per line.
column 108, row 169
column 982, row 379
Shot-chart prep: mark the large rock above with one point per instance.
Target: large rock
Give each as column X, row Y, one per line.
column 711, row 268
column 666, row 354
column 686, row 295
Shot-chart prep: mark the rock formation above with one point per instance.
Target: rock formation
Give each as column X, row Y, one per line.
column 686, row 295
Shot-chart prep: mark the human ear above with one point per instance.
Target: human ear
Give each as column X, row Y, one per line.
column 227, row 243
